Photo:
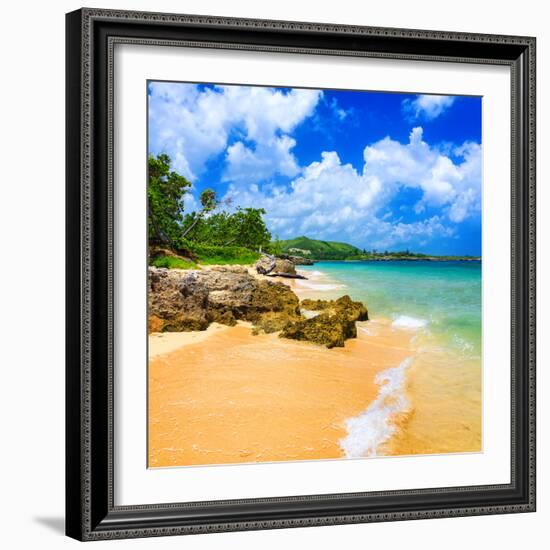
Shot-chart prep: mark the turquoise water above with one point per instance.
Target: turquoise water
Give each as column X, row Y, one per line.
column 443, row 298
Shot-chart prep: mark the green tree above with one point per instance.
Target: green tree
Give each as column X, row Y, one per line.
column 209, row 203
column 165, row 194
column 275, row 246
column 247, row 228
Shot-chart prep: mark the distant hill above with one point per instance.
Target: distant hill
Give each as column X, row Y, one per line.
column 331, row 250
column 319, row 250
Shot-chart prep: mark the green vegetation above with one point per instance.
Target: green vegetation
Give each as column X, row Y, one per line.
column 329, row 250
column 173, row 262
column 319, row 250
column 223, row 255
column 165, row 194
column 211, row 235
column 243, row 228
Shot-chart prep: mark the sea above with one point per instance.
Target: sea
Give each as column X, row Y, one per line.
column 441, row 297
column 431, row 403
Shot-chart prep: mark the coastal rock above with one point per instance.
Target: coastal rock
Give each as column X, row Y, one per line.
column 354, row 311
column 192, row 299
column 330, row 330
column 331, row 326
column 297, row 260
column 265, row 265
column 189, row 300
column 176, row 303
column 284, row 266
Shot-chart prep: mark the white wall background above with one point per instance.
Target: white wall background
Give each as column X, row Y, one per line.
column 32, row 275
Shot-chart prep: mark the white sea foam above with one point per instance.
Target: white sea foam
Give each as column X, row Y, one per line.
column 370, row 429
column 404, row 321
column 317, row 286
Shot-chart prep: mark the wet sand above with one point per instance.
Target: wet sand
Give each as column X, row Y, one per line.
column 233, row 397
column 225, row 396
column 446, row 412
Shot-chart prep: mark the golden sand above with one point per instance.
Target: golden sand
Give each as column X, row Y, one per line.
column 225, row 396
column 234, row 397
column 445, row 416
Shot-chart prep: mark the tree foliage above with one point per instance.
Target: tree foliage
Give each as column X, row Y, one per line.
column 244, row 228
column 165, row 194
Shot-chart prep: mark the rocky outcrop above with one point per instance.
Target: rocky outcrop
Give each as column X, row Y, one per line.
column 284, row 266
column 325, row 329
column 297, row 260
column 266, row 264
column 270, row 266
column 176, row 304
column 332, row 326
column 355, row 311
column 189, row 300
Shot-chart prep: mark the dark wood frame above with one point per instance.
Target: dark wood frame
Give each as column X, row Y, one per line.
column 90, row 510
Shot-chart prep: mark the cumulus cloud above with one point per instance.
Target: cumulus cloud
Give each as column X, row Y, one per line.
column 331, row 199
column 427, row 107
column 268, row 157
column 444, row 182
column 194, row 124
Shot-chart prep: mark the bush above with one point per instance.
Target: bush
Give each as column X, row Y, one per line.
column 172, row 262
column 211, row 254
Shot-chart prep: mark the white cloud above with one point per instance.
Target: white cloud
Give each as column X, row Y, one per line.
column 268, row 158
column 330, row 199
column 416, row 164
column 340, row 113
column 194, row 124
column 427, row 106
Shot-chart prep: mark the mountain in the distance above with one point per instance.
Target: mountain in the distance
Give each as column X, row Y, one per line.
column 318, row 250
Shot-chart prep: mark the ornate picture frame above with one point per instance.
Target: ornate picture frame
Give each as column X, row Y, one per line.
column 91, row 512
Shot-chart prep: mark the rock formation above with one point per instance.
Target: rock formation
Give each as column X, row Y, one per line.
column 188, row 300
column 332, row 326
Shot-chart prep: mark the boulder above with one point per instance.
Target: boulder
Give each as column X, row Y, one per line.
column 176, row 303
column 297, row 260
column 265, row 265
column 330, row 330
column 192, row 299
column 268, row 265
column 284, row 266
column 331, row 326
column 355, row 311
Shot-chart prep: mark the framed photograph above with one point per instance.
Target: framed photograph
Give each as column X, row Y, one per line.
column 300, row 274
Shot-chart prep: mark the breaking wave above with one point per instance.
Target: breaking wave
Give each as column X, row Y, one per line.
column 404, row 321
column 370, row 429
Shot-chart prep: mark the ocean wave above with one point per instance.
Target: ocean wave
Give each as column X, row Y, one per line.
column 404, row 321
column 370, row 429
column 321, row 287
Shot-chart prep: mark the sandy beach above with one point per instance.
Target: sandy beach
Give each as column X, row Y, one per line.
column 235, row 397
column 225, row 395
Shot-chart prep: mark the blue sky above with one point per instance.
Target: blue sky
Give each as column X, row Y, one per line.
column 378, row 170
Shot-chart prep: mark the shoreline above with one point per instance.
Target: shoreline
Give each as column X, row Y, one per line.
column 235, row 397
column 224, row 395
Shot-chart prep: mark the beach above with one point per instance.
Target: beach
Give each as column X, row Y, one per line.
column 225, row 395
